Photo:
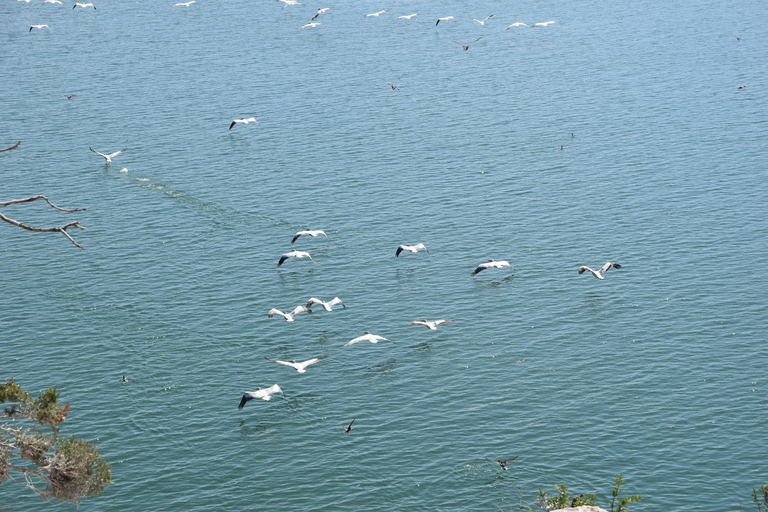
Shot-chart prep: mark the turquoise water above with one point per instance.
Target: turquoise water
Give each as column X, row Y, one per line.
column 657, row 372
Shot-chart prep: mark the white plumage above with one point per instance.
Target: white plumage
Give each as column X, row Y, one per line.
column 491, row 264
column 299, row 367
column 373, row 338
column 328, row 306
column 291, row 315
column 432, row 325
column 294, row 254
column 599, row 273
column 264, row 394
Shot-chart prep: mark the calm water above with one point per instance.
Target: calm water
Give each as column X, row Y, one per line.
column 657, row 372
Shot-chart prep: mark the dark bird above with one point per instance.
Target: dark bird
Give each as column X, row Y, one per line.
column 264, row 394
column 737, row 38
column 599, row 273
column 349, row 428
column 124, row 379
column 394, row 87
column 742, row 87
column 466, row 46
column 10, row 148
column 502, row 463
column 69, row 96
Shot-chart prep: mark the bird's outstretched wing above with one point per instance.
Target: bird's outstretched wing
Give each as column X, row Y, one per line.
column 243, row 400
column 275, row 311
column 102, row 154
column 607, row 266
column 509, row 460
column 335, row 301
column 313, row 360
column 418, row 322
column 10, row 148
column 584, row 268
column 113, row 155
column 282, row 259
column 441, row 322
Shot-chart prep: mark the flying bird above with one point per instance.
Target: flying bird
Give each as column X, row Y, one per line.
column 491, row 264
column 39, row 26
column 289, row 2
column 52, row 2
column 110, row 156
column 311, row 25
column 185, row 4
column 89, row 4
column 394, row 87
column 264, row 394
column 410, row 248
column 482, row 22
column 124, row 379
column 244, row 121
column 294, row 254
column 319, row 12
column 349, row 428
column 299, row 367
column 10, row 148
column 328, row 306
column 518, row 24
column 375, row 14
column 443, row 19
column 289, row 316
column 465, row 47
column 373, row 338
column 407, row 16
column 599, row 273
column 69, row 96
column 502, row 463
column 544, row 23
column 310, row 232
column 431, row 324
column 737, row 38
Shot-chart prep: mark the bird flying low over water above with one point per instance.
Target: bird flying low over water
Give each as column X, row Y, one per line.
column 110, row 156
column 299, row 367
column 10, row 148
column 310, row 232
column 328, row 306
column 311, row 25
column 482, row 22
column 89, row 4
column 599, row 273
column 393, row 86
column 264, row 394
column 373, row 338
column 289, row 2
column 502, row 463
column 243, row 120
column 465, row 47
column 544, row 23
column 407, row 16
column 39, row 26
column 376, row 14
column 491, row 264
column 185, row 4
column 431, row 324
column 410, row 248
column 289, row 316
column 518, row 24
column 443, row 19
column 349, row 428
column 319, row 12
column 294, row 254
column 53, row 2
column 69, row 96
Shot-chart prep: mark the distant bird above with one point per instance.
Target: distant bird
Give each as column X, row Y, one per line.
column 544, row 23
column 185, row 4
column 349, row 428
column 518, row 24
column 110, row 156
column 299, row 367
column 310, row 232
column 491, row 264
column 375, row 14
column 465, row 47
column 69, row 96
column 737, row 38
column 394, row 87
column 243, row 120
column 289, row 2
column 124, row 379
column 443, row 19
column 502, row 463
column 482, row 22
column 311, row 25
column 561, row 148
column 410, row 248
column 294, row 254
column 264, row 394
column 373, row 338
column 328, row 306
column 89, row 4
column 742, row 87
column 319, row 12
column 288, row 316
column 431, row 324
column 23, row 1
column 52, row 2
column 39, row 26
column 10, row 148
column 571, row 135
column 407, row 16
column 599, row 273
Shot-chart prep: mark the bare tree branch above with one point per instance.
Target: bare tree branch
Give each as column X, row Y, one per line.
column 10, row 148
column 60, row 229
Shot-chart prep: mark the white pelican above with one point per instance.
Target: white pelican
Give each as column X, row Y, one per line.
column 264, row 394
column 443, row 19
column 39, row 26
column 410, row 248
column 319, row 12
column 599, row 273
column 299, row 367
column 349, row 428
column 375, row 14
column 290, row 2
column 311, row 25
column 518, row 24
column 185, row 4
column 110, row 156
column 407, row 16
column 52, row 2
column 10, row 148
column 465, row 47
column 544, row 23
column 310, row 232
column 502, row 463
column 373, row 338
column 23, row 1
column 289, row 316
column 491, row 264
column 328, row 306
column 243, row 120
column 80, row 4
column 294, row 254
column 431, row 324
column 482, row 22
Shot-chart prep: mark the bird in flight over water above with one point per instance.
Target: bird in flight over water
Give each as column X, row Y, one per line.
column 80, row 4
column 110, row 156
column 482, row 22
column 294, row 254
column 431, row 324
column 599, row 273
column 39, row 26
column 501, row 463
column 310, row 232
column 290, row 315
column 376, row 14
column 264, row 394
column 465, row 47
column 10, row 148
column 299, row 367
column 328, row 306
column 373, row 338
column 491, row 264
column 349, row 428
column 443, row 19
column 410, row 248
column 243, row 120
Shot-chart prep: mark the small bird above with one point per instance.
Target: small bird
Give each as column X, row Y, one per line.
column 319, row 12
column 264, row 394
column 443, row 19
column 89, row 4
column 299, row 367
column 465, row 47
column 482, row 22
column 410, row 248
column 349, row 428
column 373, row 338
column 737, row 38
column 491, row 264
column 431, row 324
column 741, row 87
column 294, row 254
column 394, row 87
column 289, row 316
column 52, row 2
column 571, row 135
column 310, row 232
column 311, row 25
column 407, row 16
column 244, row 121
column 375, row 14
column 599, row 273
column 69, row 96
column 110, row 156
column 561, row 148
column 185, row 4
column 328, row 306
column 544, row 23
column 502, row 463
column 125, row 379
column 10, row 148
column 39, row 26
column 518, row 24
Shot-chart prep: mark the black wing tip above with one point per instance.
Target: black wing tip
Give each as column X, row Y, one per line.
column 242, row 403
column 233, row 124
column 616, row 265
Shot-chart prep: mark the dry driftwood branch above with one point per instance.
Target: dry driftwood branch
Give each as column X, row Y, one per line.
column 60, row 229
column 10, row 148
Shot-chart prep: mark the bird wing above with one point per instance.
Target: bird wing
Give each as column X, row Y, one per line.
column 233, row 124
column 102, row 154
column 286, row 363
column 488, row 17
column 399, row 250
column 382, row 338
column 441, row 322
column 479, row 269
column 509, row 460
column 112, row 155
column 356, row 340
column 458, row 43
column 275, row 311
column 274, row 388
column 335, row 301
column 313, row 361
column 283, row 258
column 312, row 301
column 246, row 397
column 473, row 42
column 494, row 461
column 296, row 236
column 300, row 309
column 417, row 322
column 10, row 148
column 608, row 265
column 422, row 246
column 584, row 268
column 351, row 422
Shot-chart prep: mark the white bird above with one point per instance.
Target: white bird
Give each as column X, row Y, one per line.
column 432, row 325
column 410, row 248
column 443, row 19
column 482, row 22
column 23, row 1
column 319, row 12
column 264, row 394
column 289, row 316
column 491, row 264
column 543, row 24
column 518, row 24
column 310, row 232
column 328, row 306
column 373, row 338
column 311, row 25
column 39, row 26
column 294, row 254
column 407, row 16
column 289, row 2
column 375, row 14
column 52, row 2
column 299, row 367
column 465, row 47
column 185, row 4
column 89, row 4
column 599, row 273
column 110, row 156
column 243, row 120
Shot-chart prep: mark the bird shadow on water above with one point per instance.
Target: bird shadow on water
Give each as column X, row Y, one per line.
column 249, row 430
column 381, row 369
column 294, row 276
column 495, row 283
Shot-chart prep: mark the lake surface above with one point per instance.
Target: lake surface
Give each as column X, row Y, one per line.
column 658, row 372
